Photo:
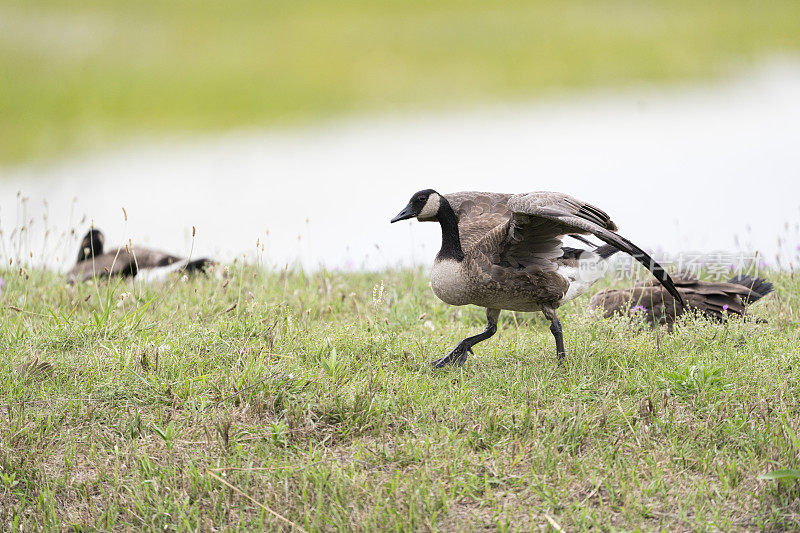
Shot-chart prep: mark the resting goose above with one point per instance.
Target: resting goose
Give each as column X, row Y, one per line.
column 504, row 251
column 655, row 305
column 125, row 261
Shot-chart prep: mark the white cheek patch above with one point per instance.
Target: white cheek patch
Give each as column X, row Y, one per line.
column 430, row 209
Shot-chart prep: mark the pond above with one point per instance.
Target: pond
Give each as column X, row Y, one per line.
column 686, row 168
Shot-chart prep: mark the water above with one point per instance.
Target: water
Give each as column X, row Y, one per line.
column 688, row 168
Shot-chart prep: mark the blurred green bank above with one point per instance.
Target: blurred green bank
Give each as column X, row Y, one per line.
column 82, row 75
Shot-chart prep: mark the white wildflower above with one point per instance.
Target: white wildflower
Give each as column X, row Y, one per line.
column 122, row 297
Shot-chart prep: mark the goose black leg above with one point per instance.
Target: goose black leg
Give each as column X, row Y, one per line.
column 459, row 354
column 555, row 329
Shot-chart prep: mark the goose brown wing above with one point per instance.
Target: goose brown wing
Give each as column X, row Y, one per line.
column 122, row 262
column 653, row 300
column 478, row 213
column 612, row 302
column 539, row 219
column 714, row 298
column 699, row 295
column 108, row 264
column 149, row 258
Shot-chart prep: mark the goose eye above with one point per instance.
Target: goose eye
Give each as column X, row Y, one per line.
column 423, row 198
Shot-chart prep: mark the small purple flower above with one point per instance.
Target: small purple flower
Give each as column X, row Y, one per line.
column 725, row 307
column 637, row 308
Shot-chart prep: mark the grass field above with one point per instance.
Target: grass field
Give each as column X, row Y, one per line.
column 82, row 75
column 292, row 401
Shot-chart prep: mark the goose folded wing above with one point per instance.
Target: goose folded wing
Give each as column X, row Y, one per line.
column 716, row 297
column 109, row 264
column 148, row 258
column 612, row 302
column 539, row 220
column 716, row 293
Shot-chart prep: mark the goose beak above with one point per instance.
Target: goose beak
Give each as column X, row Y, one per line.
column 406, row 213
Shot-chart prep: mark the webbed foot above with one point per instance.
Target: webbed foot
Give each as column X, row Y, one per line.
column 457, row 357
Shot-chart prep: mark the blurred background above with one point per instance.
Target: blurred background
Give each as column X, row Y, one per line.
column 290, row 132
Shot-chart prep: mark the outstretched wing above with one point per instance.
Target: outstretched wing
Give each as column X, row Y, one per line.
column 540, row 219
column 478, row 213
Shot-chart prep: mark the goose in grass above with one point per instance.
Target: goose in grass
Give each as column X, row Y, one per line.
column 504, row 251
column 126, row 261
column 714, row 300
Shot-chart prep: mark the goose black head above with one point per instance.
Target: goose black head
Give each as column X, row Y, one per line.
column 424, row 205
column 91, row 245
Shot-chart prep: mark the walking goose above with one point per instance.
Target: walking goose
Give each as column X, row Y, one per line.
column 125, row 261
column 504, row 251
column 656, row 306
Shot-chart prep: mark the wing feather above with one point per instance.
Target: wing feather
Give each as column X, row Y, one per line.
column 478, row 213
column 552, row 215
column 122, row 262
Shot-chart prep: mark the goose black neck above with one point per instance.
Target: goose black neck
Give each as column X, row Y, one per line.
column 91, row 246
column 451, row 242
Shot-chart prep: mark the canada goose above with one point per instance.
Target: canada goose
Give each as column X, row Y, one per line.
column 125, row 261
column 655, row 305
column 504, row 251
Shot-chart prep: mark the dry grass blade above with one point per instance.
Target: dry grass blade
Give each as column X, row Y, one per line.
column 237, row 393
column 554, row 523
column 267, row 509
column 596, row 488
column 33, row 368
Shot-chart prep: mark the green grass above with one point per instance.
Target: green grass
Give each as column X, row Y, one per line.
column 214, row 404
column 81, row 75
